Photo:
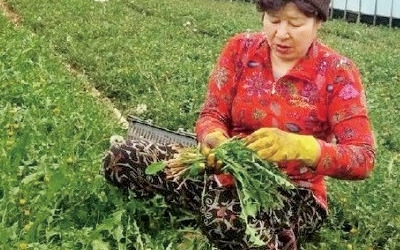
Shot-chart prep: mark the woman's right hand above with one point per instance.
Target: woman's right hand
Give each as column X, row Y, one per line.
column 210, row 141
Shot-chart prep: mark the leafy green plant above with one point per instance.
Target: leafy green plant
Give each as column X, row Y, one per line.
column 259, row 183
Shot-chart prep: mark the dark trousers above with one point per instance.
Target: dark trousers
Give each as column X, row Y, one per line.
column 217, row 206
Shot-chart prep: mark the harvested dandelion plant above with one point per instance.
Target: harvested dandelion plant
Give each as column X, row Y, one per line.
column 257, row 181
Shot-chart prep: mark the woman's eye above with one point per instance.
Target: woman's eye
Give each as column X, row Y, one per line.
column 296, row 24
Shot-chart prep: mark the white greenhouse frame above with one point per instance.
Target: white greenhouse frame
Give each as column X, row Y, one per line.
column 375, row 12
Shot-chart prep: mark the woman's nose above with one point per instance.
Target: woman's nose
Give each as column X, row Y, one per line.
column 282, row 31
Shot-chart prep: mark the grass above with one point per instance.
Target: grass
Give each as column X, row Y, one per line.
column 152, row 58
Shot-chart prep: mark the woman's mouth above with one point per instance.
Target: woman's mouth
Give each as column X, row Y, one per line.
column 282, row 49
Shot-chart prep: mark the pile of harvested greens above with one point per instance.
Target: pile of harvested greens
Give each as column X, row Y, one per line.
column 257, row 181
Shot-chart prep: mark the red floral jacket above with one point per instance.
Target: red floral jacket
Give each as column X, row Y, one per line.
column 322, row 95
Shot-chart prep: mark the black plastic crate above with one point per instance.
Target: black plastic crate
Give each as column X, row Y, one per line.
column 140, row 129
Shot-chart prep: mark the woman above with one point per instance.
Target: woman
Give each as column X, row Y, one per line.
column 296, row 102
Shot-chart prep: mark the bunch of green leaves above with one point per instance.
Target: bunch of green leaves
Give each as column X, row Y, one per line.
column 258, row 182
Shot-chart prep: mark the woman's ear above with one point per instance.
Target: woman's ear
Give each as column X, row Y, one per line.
column 319, row 24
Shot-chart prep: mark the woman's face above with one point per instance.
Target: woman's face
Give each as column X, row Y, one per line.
column 289, row 32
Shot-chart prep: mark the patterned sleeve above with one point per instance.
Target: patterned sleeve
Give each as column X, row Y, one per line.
column 216, row 110
column 352, row 154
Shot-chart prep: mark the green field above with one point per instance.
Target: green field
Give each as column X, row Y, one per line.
column 152, row 59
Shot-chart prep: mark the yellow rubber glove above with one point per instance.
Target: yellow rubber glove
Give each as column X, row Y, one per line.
column 209, row 142
column 273, row 144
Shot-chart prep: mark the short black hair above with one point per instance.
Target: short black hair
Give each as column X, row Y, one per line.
column 306, row 7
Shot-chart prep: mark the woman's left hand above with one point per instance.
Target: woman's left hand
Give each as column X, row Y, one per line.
column 273, row 144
